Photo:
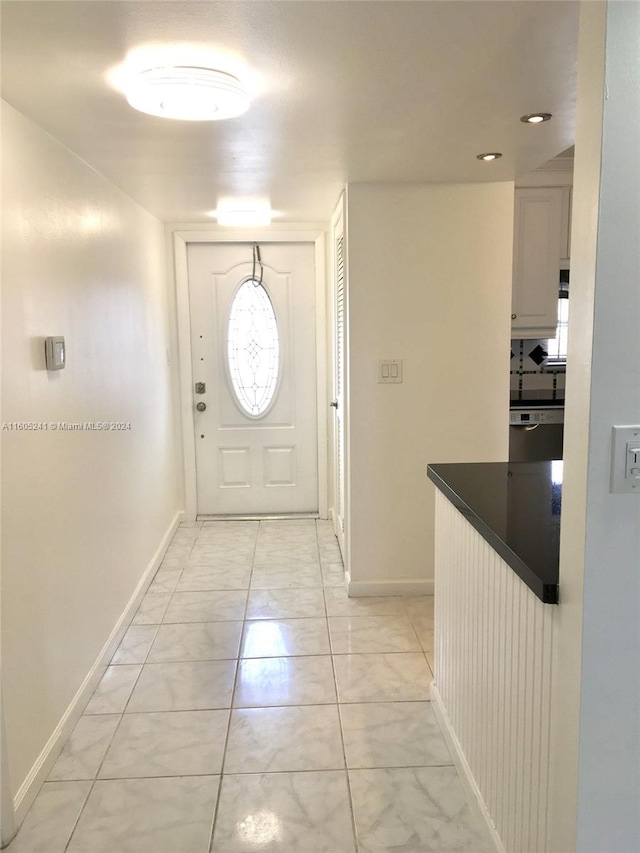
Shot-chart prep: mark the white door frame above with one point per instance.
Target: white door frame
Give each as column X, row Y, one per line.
column 289, row 234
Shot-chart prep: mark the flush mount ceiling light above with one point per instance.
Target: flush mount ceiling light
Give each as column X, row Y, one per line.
column 536, row 118
column 240, row 214
column 187, row 93
column 490, row 155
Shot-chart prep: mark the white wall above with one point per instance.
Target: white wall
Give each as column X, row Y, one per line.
column 83, row 512
column 429, row 280
column 597, row 685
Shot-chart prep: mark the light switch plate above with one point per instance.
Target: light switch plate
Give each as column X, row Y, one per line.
column 625, row 460
column 390, row 371
column 54, row 353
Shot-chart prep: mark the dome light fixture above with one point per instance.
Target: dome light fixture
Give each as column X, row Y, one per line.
column 535, row 118
column 489, row 156
column 187, row 93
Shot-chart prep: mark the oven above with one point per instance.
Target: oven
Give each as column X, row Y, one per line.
column 535, row 432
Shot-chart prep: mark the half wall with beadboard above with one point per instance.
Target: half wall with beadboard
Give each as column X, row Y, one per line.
column 492, row 688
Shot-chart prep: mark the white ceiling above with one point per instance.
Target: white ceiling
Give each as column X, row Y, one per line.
column 356, row 90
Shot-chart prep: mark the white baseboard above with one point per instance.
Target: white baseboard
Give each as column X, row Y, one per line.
column 464, row 771
column 47, row 758
column 356, row 589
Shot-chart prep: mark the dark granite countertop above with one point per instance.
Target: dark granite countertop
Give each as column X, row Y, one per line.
column 515, row 506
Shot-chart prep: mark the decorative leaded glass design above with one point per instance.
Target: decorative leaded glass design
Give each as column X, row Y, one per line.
column 253, row 348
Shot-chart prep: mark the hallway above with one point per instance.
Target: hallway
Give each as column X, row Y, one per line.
column 253, row 706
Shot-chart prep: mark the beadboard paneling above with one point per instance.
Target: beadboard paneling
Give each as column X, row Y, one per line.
column 493, row 672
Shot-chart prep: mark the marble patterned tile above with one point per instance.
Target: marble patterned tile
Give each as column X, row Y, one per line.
column 83, row 752
column 419, row 606
column 392, row 734
column 218, row 606
column 414, row 810
column 423, row 626
column 372, row 634
column 166, row 580
column 382, row 678
column 203, row 578
column 180, row 546
column 226, row 544
column 284, row 576
column 180, row 743
column 237, row 528
column 221, row 555
column 285, row 603
column 174, row 561
column 196, row 641
column 284, row 812
column 330, row 550
column 152, row 609
column 303, row 737
column 430, row 660
column 135, row 644
column 285, row 637
column 264, row 682
column 332, row 575
column 287, row 547
column 171, row 815
column 185, row 536
column 50, row 820
column 339, row 604
column 193, row 686
column 288, row 527
column 112, row 694
column 299, row 553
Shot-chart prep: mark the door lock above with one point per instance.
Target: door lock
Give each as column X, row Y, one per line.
column 334, row 404
column 200, row 388
column 201, row 407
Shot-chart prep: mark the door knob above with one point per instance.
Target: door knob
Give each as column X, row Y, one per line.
column 334, row 403
column 201, row 406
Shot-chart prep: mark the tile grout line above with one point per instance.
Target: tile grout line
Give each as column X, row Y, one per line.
column 216, row 807
column 342, row 740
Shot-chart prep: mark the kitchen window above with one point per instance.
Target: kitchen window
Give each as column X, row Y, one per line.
column 557, row 347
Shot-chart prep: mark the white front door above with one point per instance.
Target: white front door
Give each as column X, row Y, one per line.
column 253, row 348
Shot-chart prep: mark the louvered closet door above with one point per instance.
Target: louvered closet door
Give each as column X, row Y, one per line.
column 340, row 383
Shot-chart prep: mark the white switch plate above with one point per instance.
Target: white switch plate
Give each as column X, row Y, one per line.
column 390, row 371
column 625, row 464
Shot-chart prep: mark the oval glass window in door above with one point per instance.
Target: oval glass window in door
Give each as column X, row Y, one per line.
column 253, row 348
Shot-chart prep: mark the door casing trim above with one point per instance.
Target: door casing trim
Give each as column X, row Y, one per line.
column 179, row 239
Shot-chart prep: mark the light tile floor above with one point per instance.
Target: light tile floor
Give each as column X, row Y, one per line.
column 252, row 706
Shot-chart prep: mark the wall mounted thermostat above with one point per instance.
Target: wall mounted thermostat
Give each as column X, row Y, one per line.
column 54, row 354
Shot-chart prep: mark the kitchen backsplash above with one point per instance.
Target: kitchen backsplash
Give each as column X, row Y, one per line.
column 532, row 378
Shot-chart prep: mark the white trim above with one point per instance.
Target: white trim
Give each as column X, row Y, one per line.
column 356, row 589
column 183, row 319
column 555, row 177
column 47, row 758
column 181, row 236
column 464, row 771
column 7, row 813
column 322, row 406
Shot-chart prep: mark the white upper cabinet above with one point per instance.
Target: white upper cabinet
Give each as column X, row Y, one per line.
column 541, row 249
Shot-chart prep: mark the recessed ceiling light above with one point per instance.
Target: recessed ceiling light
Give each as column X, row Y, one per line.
column 490, row 155
column 187, row 93
column 536, row 118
